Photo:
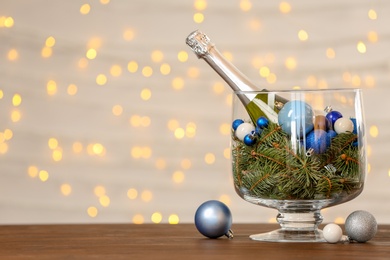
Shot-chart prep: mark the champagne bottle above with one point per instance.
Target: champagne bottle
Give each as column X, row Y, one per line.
column 260, row 104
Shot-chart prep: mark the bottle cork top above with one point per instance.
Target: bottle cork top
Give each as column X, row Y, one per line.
column 199, row 43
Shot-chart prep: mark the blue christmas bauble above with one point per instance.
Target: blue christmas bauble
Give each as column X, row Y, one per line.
column 236, row 123
column 262, row 122
column 317, row 141
column 250, row 139
column 332, row 116
column 213, row 219
column 258, row 131
column 296, row 118
column 354, row 125
column 329, row 136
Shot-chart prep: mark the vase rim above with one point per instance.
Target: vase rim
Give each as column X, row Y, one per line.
column 299, row 90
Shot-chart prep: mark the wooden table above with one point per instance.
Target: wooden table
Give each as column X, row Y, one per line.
column 163, row 241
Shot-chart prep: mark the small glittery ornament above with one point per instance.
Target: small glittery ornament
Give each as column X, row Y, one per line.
column 332, row 116
column 361, row 226
column 296, row 118
column 332, row 233
column 250, row 139
column 343, row 125
column 213, row 219
column 243, row 130
column 262, row 122
column 236, row 123
column 316, row 140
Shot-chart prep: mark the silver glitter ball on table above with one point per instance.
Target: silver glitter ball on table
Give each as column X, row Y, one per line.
column 361, row 226
column 213, row 219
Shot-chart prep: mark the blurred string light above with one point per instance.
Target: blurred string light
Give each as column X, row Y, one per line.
column 92, row 211
column 180, row 130
column 284, row 7
column 66, row 189
column 361, row 47
column 85, row 9
column 303, row 35
column 198, row 17
column 6, row 21
column 372, row 14
column 13, row 55
column 128, row 34
column 72, row 89
column 245, row 5
column 199, row 6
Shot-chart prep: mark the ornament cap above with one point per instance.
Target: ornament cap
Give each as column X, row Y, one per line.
column 229, row 234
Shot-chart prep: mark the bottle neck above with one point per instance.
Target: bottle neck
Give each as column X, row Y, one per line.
column 230, row 74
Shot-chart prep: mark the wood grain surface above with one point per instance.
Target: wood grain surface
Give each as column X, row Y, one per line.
column 163, row 241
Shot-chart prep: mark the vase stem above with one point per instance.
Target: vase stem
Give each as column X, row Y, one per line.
column 299, row 220
column 295, row 227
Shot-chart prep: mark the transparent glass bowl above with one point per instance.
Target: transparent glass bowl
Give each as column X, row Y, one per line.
column 298, row 152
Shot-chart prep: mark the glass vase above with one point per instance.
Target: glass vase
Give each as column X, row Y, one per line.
column 305, row 154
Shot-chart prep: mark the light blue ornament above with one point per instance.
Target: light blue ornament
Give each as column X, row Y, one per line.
column 296, row 118
column 213, row 219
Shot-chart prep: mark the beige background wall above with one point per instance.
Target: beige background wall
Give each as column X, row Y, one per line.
column 106, row 115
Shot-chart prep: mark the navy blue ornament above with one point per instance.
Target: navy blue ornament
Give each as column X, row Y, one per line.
column 250, row 139
column 262, row 122
column 329, row 136
column 236, row 123
column 296, row 118
column 213, row 219
column 332, row 116
column 355, row 143
column 316, row 140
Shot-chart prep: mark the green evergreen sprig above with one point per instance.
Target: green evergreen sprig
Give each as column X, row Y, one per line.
column 275, row 168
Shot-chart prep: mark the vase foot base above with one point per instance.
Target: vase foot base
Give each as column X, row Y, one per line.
column 282, row 235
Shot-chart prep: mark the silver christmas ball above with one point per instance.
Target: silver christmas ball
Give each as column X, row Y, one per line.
column 361, row 226
column 213, row 219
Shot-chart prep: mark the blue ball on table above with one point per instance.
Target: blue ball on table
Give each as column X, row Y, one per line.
column 213, row 219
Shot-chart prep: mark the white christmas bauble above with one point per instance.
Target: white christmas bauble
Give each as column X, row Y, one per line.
column 243, row 130
column 332, row 233
column 343, row 125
